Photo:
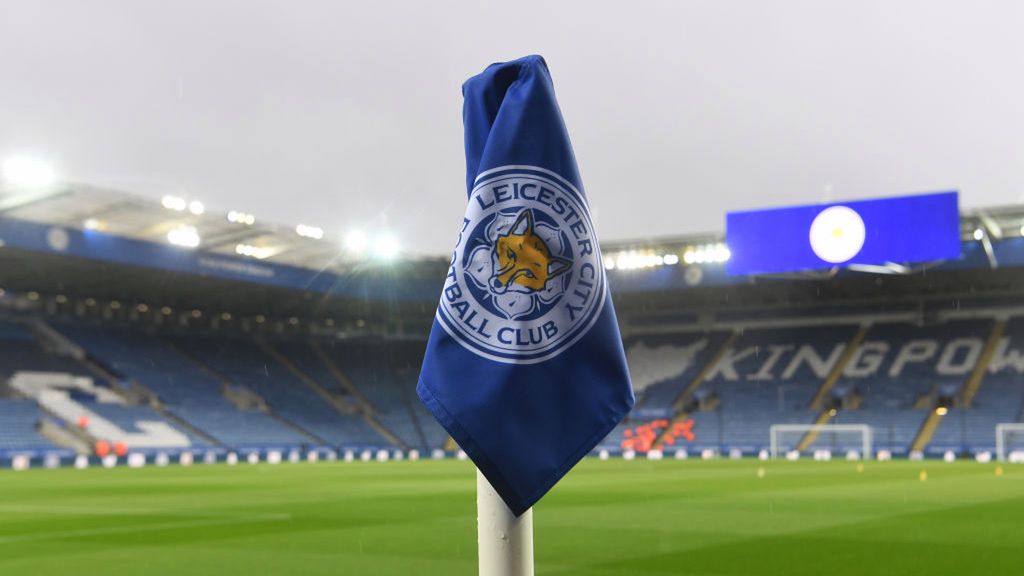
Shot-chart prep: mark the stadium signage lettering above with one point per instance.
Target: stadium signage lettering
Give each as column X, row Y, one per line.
column 956, row 357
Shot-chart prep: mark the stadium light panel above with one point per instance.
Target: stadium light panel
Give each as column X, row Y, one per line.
column 27, row 172
column 241, row 218
column 671, row 259
column 184, row 236
column 979, row 234
column 258, row 252
column 176, row 203
column 306, row 231
column 94, row 224
column 196, row 207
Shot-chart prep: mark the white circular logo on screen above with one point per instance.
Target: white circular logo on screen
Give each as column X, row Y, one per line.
column 837, row 234
column 526, row 280
column 57, row 238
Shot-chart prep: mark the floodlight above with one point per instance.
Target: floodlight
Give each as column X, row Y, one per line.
column 307, row 231
column 259, row 252
column 27, row 172
column 175, row 203
column 185, row 236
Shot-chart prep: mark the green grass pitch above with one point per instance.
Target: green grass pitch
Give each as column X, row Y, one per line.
column 605, row 518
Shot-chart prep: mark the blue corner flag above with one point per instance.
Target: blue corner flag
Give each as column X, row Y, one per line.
column 524, row 366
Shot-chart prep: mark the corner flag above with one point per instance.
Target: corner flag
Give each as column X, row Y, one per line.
column 524, row 366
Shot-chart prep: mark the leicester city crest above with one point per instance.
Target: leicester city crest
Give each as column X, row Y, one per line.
column 526, row 278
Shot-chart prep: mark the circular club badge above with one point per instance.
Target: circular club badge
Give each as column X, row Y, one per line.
column 837, row 234
column 526, row 279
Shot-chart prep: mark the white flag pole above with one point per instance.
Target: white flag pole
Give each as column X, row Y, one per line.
column 505, row 542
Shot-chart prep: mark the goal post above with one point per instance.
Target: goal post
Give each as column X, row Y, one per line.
column 1003, row 432
column 776, row 433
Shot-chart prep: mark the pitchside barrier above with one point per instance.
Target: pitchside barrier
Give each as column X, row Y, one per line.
column 24, row 460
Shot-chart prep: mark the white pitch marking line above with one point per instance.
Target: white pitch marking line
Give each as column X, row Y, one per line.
column 140, row 528
column 86, row 511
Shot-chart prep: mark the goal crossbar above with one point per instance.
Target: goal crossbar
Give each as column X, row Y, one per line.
column 776, row 430
column 1001, row 431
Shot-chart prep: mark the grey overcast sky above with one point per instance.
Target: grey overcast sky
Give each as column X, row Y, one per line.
column 348, row 115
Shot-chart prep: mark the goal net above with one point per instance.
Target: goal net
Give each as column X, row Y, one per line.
column 1010, row 441
column 838, row 439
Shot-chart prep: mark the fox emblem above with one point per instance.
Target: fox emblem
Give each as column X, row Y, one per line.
column 524, row 261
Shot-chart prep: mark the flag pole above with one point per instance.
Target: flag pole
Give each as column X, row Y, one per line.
column 505, row 542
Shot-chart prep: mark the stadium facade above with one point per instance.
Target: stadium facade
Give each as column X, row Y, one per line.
column 268, row 340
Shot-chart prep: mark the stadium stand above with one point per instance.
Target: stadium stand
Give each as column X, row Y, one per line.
column 893, row 379
column 20, row 352
column 20, row 420
column 241, row 362
column 1000, row 398
column 385, row 373
column 730, row 384
column 186, row 391
column 234, row 354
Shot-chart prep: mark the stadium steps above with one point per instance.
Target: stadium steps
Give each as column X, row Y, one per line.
column 818, row 401
column 312, row 384
column 340, row 377
column 407, row 402
column 298, row 429
column 226, row 384
column 185, row 425
column 924, row 435
column 659, row 442
column 970, row 389
column 812, row 435
column 967, row 393
column 53, row 342
column 347, row 384
column 65, row 436
column 679, row 404
column 73, row 436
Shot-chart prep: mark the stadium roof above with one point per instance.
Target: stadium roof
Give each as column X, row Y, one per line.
column 236, row 233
